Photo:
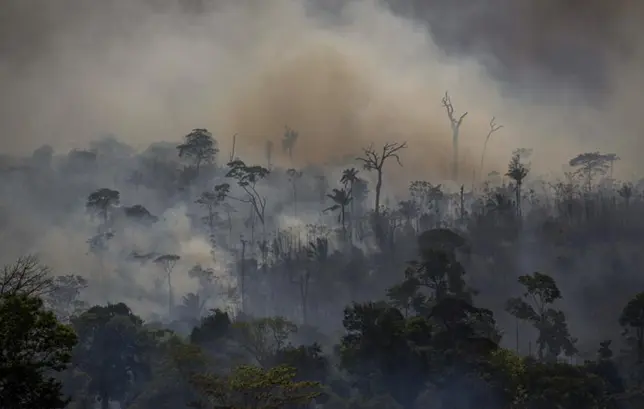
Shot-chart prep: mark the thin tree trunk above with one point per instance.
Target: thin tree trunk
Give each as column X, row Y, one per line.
column 378, row 188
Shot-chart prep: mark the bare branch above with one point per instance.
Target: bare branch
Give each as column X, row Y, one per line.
column 447, row 103
column 373, row 160
column 493, row 128
column 26, row 276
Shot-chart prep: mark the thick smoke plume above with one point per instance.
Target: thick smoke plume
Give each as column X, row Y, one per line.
column 343, row 76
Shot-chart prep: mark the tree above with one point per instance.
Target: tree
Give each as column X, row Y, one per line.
column 111, row 350
column 64, row 298
column 200, row 146
column 493, row 128
column 33, row 346
column 341, row 200
column 247, row 178
column 210, row 200
column 349, row 179
column 542, row 291
column 592, row 164
column 455, row 124
column 294, row 176
column 288, row 141
column 212, row 328
column 375, row 161
column 263, row 337
column 317, row 253
column 632, row 320
column 101, row 201
column 250, row 387
column 26, row 276
column 139, row 214
column 384, row 352
column 517, row 171
column 167, row 262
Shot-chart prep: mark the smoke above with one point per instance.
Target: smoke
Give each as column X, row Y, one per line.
column 344, row 78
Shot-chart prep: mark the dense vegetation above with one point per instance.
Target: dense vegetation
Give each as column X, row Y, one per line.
column 310, row 295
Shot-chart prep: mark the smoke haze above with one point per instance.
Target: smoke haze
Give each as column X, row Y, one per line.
column 342, row 77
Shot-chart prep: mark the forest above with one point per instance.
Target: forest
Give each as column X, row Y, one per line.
column 314, row 286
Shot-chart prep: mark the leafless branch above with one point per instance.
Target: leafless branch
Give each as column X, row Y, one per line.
column 447, row 103
column 26, row 276
column 493, row 128
column 373, row 160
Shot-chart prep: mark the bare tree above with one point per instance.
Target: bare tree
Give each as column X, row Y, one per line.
column 26, row 276
column 373, row 160
column 493, row 128
column 456, row 127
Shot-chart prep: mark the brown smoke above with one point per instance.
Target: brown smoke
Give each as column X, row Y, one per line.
column 148, row 73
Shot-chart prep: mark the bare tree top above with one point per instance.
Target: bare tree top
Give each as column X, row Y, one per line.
column 373, row 160
column 26, row 276
column 493, row 128
column 447, row 103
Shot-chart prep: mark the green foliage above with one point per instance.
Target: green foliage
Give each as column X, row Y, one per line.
column 263, row 337
column 33, row 346
column 255, row 388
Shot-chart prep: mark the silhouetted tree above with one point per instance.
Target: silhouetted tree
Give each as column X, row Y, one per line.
column 375, row 161
column 455, row 124
column 200, row 146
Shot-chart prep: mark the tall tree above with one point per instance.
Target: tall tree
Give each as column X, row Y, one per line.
column 349, row 179
column 288, row 141
column 375, row 161
column 493, row 128
column 200, row 146
column 341, row 200
column 210, row 200
column 535, row 306
column 34, row 346
column 111, row 350
column 592, row 164
column 517, row 171
column 101, row 201
column 168, row 262
column 247, row 178
column 455, row 124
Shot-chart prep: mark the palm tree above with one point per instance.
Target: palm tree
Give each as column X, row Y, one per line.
column 517, row 171
column 348, row 179
column 341, row 200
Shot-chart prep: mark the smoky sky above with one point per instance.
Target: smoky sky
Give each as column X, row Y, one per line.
column 560, row 75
